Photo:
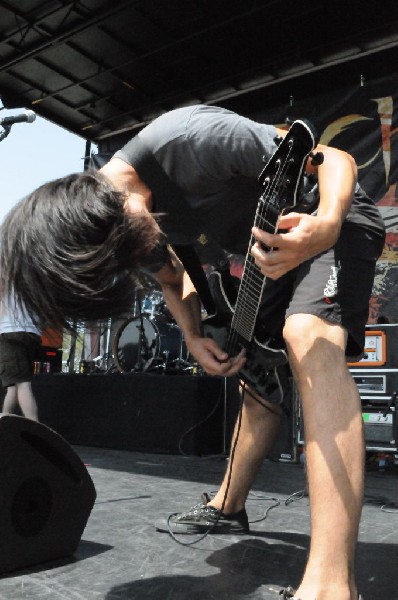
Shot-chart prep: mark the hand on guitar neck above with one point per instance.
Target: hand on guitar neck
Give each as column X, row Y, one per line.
column 303, row 237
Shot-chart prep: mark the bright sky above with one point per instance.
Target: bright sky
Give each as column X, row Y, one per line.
column 32, row 154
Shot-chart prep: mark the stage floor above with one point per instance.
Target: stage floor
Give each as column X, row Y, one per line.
column 122, row 556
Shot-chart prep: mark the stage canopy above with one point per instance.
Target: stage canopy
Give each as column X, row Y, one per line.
column 104, row 68
column 100, row 68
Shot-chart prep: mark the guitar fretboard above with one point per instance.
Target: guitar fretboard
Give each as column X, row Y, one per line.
column 279, row 179
column 252, row 282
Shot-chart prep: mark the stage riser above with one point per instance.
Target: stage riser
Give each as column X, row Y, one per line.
column 140, row 412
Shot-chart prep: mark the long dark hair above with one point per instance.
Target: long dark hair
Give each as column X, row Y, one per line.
column 69, row 248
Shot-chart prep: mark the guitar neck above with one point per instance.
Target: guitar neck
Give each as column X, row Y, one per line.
column 252, row 281
column 279, row 180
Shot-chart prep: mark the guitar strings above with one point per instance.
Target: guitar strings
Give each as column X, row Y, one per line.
column 252, row 278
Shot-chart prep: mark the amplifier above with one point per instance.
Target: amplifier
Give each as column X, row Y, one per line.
column 380, row 428
column 285, row 446
column 370, row 383
column 380, row 424
column 376, row 377
column 376, row 386
column 381, row 345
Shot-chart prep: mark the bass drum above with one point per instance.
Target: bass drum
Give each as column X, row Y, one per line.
column 154, row 345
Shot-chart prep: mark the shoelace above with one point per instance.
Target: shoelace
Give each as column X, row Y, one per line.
column 287, row 594
column 195, row 509
column 191, row 511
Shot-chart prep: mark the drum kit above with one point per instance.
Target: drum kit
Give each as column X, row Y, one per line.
column 150, row 340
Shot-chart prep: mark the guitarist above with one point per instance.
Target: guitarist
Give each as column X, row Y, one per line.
column 319, row 280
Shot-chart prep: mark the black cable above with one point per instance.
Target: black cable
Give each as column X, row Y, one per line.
column 276, row 501
column 295, row 496
column 390, row 507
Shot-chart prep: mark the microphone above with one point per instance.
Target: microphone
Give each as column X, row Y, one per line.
column 27, row 117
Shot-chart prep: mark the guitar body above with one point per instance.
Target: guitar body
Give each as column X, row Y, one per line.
column 262, row 353
column 235, row 326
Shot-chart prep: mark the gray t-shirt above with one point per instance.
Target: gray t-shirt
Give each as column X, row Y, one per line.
column 214, row 157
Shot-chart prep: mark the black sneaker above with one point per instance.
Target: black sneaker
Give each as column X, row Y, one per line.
column 202, row 517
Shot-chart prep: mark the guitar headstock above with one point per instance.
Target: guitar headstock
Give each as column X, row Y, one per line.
column 280, row 178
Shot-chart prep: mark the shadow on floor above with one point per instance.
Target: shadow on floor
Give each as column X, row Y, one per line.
column 254, row 568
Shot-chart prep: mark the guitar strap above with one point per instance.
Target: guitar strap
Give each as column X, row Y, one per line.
column 189, row 258
column 165, row 194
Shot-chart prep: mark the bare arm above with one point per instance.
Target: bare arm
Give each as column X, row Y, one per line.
column 337, row 177
column 184, row 304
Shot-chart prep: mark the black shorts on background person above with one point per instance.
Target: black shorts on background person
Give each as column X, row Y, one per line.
column 18, row 351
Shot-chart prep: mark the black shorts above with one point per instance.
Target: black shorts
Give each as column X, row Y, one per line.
column 335, row 285
column 18, row 351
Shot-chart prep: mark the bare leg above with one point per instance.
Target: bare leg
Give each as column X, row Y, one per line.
column 10, row 401
column 27, row 401
column 335, row 455
column 258, row 430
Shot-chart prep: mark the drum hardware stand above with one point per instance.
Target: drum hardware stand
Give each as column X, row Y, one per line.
column 108, row 352
column 180, row 363
column 137, row 305
column 70, row 362
column 177, row 364
column 144, row 355
column 106, row 362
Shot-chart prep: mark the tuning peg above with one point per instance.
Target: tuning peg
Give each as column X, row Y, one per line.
column 317, row 158
column 278, row 139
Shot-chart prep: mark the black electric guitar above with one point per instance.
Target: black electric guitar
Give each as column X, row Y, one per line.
column 234, row 325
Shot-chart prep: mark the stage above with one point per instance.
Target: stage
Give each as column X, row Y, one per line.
column 122, row 556
column 152, row 445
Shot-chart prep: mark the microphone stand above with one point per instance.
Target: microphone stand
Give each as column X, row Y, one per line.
column 8, row 122
column 5, row 132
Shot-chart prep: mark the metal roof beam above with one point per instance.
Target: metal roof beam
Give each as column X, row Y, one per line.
column 70, row 32
column 259, row 85
column 30, row 23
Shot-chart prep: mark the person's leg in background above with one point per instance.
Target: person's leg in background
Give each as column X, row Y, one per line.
column 18, row 350
column 10, row 403
column 27, row 401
